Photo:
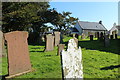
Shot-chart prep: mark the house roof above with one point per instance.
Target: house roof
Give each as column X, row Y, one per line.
column 91, row 26
column 118, row 27
column 73, row 29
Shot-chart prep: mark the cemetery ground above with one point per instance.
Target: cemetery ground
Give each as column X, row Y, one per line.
column 98, row 61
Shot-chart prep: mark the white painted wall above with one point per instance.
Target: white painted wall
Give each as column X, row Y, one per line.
column 78, row 27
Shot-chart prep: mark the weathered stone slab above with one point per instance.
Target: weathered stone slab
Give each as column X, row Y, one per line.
column 72, row 61
column 57, row 38
column 49, row 42
column 106, row 41
column 18, row 53
column 1, row 43
column 60, row 48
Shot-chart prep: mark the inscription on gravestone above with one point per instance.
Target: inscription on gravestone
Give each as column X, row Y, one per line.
column 18, row 54
column 49, row 42
column 72, row 61
column 57, row 38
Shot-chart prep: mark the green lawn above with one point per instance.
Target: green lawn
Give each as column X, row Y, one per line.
column 98, row 61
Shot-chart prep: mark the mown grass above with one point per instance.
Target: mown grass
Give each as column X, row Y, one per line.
column 98, row 61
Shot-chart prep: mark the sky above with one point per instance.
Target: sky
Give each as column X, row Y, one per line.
column 90, row 11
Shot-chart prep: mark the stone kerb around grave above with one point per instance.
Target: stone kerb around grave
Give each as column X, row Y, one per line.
column 18, row 53
column 72, row 61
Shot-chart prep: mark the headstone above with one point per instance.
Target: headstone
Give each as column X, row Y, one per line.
column 98, row 35
column 106, row 41
column 91, row 37
column 83, row 36
column 57, row 38
column 18, row 53
column 116, row 36
column 72, row 61
column 101, row 36
column 111, row 36
column 60, row 48
column 49, row 42
column 1, row 43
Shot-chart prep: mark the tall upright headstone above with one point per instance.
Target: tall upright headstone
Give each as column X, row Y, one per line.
column 1, row 43
column 49, row 42
column 57, row 38
column 18, row 53
column 116, row 36
column 72, row 61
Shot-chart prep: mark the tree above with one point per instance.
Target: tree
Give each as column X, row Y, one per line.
column 22, row 15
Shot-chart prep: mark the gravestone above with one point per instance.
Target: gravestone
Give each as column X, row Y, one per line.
column 57, row 38
column 18, row 53
column 83, row 36
column 60, row 48
column 101, row 36
column 1, row 43
column 116, row 36
column 72, row 61
column 98, row 35
column 49, row 42
column 106, row 41
column 111, row 36
column 91, row 37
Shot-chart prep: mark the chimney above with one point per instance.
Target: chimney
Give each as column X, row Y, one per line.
column 100, row 22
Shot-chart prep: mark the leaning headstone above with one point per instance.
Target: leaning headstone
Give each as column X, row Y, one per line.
column 72, row 61
column 91, row 37
column 18, row 53
column 60, row 48
column 1, row 43
column 106, row 41
column 49, row 42
column 116, row 36
column 57, row 38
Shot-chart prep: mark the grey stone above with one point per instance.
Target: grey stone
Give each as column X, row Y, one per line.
column 49, row 42
column 57, row 38
column 72, row 61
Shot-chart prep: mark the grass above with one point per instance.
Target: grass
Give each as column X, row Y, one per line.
column 98, row 61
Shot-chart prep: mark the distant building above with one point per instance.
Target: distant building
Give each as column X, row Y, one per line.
column 115, row 29
column 88, row 28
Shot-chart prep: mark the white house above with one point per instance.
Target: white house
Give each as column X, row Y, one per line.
column 87, row 28
column 115, row 29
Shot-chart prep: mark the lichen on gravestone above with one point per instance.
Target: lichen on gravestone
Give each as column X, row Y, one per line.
column 72, row 61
